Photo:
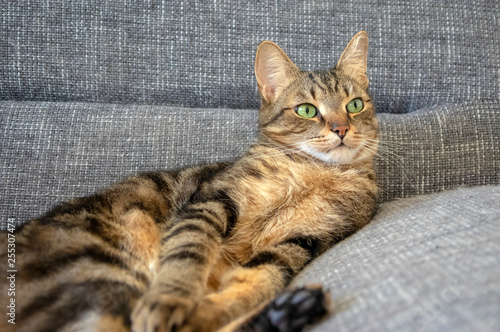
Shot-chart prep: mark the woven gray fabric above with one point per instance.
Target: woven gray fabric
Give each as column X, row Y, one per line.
column 55, row 151
column 439, row 148
column 427, row 263
column 200, row 54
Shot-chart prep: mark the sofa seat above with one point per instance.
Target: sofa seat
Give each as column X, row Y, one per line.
column 426, row 263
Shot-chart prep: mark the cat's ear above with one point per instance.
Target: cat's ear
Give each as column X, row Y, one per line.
column 274, row 70
column 353, row 59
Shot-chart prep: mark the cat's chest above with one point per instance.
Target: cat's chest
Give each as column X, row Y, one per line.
column 274, row 189
column 284, row 200
column 265, row 188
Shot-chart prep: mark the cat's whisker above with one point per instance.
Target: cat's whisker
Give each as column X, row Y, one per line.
column 381, row 150
column 389, row 157
column 388, row 137
column 384, row 151
column 387, row 142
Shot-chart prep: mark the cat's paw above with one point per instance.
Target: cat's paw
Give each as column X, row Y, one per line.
column 295, row 308
column 207, row 316
column 157, row 312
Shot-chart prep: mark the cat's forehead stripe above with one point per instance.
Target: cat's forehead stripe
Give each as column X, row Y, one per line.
column 312, row 77
column 328, row 82
column 313, row 93
column 335, row 77
column 347, row 90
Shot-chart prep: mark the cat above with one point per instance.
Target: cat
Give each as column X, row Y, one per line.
column 208, row 247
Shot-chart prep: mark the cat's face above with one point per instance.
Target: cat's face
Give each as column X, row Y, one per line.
column 325, row 115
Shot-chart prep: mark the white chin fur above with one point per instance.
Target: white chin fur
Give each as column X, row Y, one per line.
column 339, row 155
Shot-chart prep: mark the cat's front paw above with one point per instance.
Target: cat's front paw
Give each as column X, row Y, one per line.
column 208, row 316
column 157, row 312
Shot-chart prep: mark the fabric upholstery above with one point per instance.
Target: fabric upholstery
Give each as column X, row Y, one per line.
column 439, row 148
column 427, row 263
column 201, row 54
column 63, row 150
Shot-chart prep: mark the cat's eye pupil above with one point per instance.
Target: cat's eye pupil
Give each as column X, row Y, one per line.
column 355, row 106
column 306, row 110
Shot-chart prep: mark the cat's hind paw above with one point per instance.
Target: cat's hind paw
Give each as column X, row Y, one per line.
column 296, row 308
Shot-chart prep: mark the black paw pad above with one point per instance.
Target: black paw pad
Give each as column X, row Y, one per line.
column 293, row 309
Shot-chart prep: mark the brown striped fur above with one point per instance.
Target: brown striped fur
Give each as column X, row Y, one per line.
column 200, row 248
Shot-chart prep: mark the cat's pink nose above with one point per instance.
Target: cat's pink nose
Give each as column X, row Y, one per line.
column 341, row 131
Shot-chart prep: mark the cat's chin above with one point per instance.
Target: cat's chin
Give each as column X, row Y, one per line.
column 338, row 155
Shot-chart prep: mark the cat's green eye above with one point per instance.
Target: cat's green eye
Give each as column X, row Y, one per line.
column 355, row 106
column 306, row 111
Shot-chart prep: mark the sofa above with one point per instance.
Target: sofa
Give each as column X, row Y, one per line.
column 94, row 91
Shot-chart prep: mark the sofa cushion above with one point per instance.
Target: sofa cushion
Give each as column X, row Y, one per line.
column 427, row 263
column 52, row 152
column 201, row 54
column 439, row 148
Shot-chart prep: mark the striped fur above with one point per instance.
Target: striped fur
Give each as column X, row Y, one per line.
column 199, row 248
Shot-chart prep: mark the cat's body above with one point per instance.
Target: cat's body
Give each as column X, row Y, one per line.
column 199, row 248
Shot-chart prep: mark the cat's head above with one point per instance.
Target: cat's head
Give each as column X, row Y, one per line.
column 327, row 115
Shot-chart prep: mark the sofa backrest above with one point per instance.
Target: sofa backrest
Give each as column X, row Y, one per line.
column 201, row 54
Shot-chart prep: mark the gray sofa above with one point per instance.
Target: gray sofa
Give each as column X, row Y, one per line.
column 91, row 92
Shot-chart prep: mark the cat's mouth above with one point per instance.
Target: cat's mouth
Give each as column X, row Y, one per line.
column 340, row 153
column 339, row 146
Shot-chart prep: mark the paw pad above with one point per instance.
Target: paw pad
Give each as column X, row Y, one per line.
column 293, row 309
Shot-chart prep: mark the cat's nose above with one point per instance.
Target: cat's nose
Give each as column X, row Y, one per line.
column 341, row 131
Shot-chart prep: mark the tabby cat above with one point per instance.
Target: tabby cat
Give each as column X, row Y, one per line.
column 208, row 247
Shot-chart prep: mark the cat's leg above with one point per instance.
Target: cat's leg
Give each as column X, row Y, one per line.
column 84, row 264
column 245, row 288
column 187, row 253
